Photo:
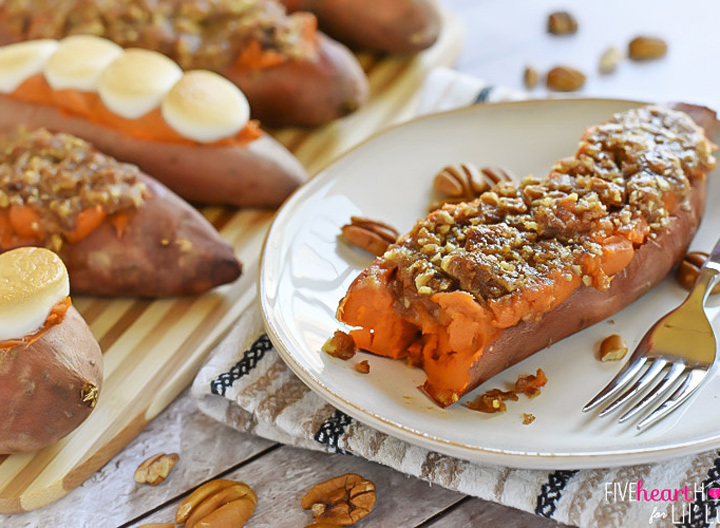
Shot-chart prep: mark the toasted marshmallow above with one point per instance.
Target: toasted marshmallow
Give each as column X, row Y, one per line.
column 32, row 281
column 205, row 107
column 136, row 82
column 78, row 62
column 20, row 61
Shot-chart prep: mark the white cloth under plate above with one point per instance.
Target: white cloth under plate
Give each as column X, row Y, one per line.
column 246, row 385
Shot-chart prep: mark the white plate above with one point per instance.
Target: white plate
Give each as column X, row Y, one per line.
column 306, row 270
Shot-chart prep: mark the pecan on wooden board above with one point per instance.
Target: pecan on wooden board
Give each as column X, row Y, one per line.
column 340, row 501
column 155, row 469
column 371, row 235
column 218, row 503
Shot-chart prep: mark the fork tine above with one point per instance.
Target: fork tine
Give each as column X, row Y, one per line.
column 676, row 370
column 647, row 378
column 689, row 386
column 621, row 379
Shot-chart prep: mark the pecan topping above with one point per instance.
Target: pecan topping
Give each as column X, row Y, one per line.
column 565, row 79
column 218, row 503
column 562, row 23
column 340, row 346
column 527, row 418
column 613, row 348
column 155, row 469
column 370, row 235
column 647, row 48
column 341, row 501
column 689, row 269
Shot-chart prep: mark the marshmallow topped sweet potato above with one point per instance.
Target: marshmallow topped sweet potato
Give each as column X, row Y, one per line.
column 50, row 363
column 476, row 287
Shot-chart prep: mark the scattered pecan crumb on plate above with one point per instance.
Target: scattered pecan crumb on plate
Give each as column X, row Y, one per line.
column 493, row 401
column 340, row 346
column 613, row 348
column 527, row 418
column 363, row 367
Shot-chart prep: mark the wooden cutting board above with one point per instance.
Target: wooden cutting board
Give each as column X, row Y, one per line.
column 153, row 349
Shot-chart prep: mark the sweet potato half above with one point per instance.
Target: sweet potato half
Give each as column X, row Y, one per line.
column 119, row 232
column 477, row 287
column 388, row 26
column 49, row 386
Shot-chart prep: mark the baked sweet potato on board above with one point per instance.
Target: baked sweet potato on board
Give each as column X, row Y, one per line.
column 290, row 73
column 388, row 26
column 476, row 287
column 119, row 232
column 51, row 373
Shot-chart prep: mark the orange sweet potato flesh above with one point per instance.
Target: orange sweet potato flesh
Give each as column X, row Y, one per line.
column 461, row 343
column 41, row 385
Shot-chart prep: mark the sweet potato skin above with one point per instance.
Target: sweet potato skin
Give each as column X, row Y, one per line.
column 305, row 92
column 167, row 249
column 389, row 26
column 41, row 385
column 586, row 306
column 260, row 174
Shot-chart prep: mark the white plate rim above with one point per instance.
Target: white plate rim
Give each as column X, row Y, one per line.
column 522, row 459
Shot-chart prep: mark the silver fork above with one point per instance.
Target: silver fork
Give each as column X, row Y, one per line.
column 678, row 350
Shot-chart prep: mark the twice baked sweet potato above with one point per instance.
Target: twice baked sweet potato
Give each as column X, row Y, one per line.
column 479, row 286
column 51, row 370
column 119, row 232
column 389, row 26
column 255, row 44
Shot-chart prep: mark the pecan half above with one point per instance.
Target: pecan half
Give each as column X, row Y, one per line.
column 155, row 469
column 565, row 79
column 341, row 501
column 689, row 268
column 465, row 181
column 218, row 503
column 647, row 48
column 613, row 348
column 370, row 235
column 562, row 23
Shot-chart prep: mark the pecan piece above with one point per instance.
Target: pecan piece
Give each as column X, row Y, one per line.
column 340, row 501
column 465, row 181
column 647, row 48
column 363, row 367
column 530, row 77
column 155, row 469
column 218, row 503
column 340, row 346
column 562, row 23
column 370, row 235
column 565, row 79
column 613, row 348
column 689, row 269
column 609, row 60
